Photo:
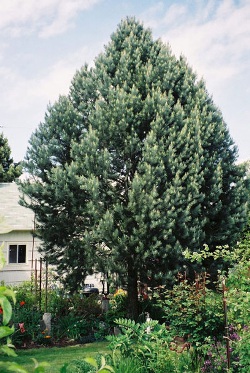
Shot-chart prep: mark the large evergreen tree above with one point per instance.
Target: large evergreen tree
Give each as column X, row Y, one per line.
column 134, row 166
column 9, row 171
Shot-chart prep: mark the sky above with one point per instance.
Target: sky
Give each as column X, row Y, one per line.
column 43, row 43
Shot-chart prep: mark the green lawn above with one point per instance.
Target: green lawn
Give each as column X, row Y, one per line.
column 56, row 356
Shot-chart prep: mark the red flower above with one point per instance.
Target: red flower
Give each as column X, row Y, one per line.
column 21, row 327
column 1, row 310
column 22, row 303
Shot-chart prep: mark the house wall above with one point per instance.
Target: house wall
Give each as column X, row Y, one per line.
column 16, row 273
column 16, row 225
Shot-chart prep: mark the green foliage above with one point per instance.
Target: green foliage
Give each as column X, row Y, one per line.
column 216, row 359
column 78, row 366
column 238, row 294
column 132, row 167
column 74, row 317
column 26, row 319
column 128, row 365
column 6, row 296
column 102, row 368
column 97, row 364
column 72, row 327
column 242, row 348
column 14, row 367
column 193, row 311
column 118, row 306
column 88, row 307
column 78, row 318
column 237, row 298
column 148, row 344
column 9, row 171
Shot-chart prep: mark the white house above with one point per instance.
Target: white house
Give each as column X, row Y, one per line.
column 20, row 246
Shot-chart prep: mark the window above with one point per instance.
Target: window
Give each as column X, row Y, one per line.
column 17, row 254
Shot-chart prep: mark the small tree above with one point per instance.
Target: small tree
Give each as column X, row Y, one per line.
column 133, row 167
column 9, row 171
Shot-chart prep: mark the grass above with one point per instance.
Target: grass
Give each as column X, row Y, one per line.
column 56, row 356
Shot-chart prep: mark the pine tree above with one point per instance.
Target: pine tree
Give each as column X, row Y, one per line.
column 9, row 171
column 134, row 166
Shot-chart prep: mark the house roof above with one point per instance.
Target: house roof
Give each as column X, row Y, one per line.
column 12, row 215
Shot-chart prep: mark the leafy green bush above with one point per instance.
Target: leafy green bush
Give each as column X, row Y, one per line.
column 26, row 320
column 6, row 296
column 193, row 311
column 148, row 344
column 238, row 293
column 117, row 307
column 71, row 327
column 75, row 318
column 237, row 300
column 242, row 348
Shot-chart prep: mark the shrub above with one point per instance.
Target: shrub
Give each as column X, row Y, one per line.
column 6, row 296
column 117, row 307
column 242, row 348
column 26, row 320
column 148, row 344
column 72, row 327
column 193, row 311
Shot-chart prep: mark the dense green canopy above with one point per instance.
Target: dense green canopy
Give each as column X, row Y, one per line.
column 9, row 171
column 132, row 167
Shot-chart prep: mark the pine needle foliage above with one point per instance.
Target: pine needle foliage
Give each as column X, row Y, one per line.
column 134, row 166
column 9, row 171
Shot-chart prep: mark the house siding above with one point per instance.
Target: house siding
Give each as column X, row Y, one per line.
column 17, row 225
column 16, row 273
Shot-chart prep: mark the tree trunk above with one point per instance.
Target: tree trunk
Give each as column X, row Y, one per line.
column 133, row 305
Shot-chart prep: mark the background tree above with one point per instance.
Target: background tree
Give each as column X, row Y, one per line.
column 9, row 171
column 133, row 167
column 244, row 239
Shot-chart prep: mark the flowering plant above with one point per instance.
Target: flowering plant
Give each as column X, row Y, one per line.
column 44, row 338
column 120, row 292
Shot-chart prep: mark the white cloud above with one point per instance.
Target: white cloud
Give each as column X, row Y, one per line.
column 174, row 15
column 24, row 100
column 55, row 81
column 47, row 17
column 59, row 76
column 214, row 36
column 150, row 15
column 66, row 12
